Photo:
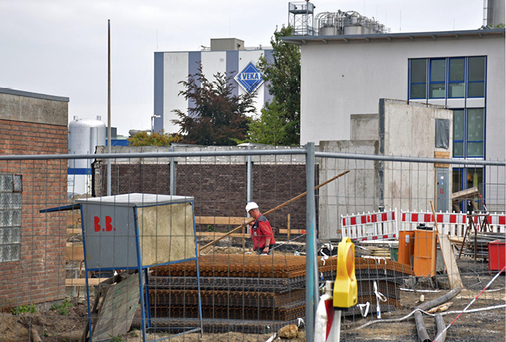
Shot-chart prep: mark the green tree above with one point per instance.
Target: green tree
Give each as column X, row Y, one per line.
column 153, row 139
column 283, row 82
column 269, row 128
column 215, row 116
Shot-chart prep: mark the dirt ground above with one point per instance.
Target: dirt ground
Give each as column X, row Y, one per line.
column 480, row 326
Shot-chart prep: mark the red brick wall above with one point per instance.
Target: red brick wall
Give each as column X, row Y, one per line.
column 218, row 189
column 39, row 275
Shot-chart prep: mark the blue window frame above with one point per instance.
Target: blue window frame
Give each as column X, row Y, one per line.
column 469, row 133
column 476, row 77
column 441, row 78
column 418, row 78
column 437, row 83
column 456, row 80
column 466, row 178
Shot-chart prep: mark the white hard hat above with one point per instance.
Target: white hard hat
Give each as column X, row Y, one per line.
column 251, row 206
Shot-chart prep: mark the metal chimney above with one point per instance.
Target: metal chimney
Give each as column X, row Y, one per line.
column 494, row 12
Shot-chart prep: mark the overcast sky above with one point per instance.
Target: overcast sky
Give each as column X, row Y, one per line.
column 59, row 47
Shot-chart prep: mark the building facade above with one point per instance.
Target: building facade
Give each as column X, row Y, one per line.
column 226, row 55
column 461, row 70
column 32, row 251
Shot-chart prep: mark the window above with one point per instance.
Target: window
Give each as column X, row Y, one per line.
column 10, row 217
column 456, row 77
column 468, row 132
column 475, row 132
column 437, row 79
column 456, row 84
column 418, row 79
column 476, row 85
column 458, row 133
column 467, row 178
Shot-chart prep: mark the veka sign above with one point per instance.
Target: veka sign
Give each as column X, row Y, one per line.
column 250, row 78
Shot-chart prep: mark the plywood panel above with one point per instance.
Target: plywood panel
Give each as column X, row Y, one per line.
column 166, row 233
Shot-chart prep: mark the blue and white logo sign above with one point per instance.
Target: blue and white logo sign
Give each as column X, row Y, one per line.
column 250, row 78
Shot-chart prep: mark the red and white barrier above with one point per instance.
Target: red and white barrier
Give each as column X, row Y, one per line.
column 384, row 225
column 381, row 225
column 496, row 223
column 453, row 224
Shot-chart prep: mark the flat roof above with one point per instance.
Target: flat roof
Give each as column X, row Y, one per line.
column 10, row 91
column 135, row 199
column 303, row 40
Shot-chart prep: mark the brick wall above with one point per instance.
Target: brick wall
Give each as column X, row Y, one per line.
column 39, row 275
column 218, row 189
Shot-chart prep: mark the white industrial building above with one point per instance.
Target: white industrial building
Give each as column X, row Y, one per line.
column 226, row 55
column 347, row 74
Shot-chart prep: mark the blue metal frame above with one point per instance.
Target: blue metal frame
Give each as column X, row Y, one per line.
column 410, row 72
column 450, row 82
column 142, row 272
column 429, row 74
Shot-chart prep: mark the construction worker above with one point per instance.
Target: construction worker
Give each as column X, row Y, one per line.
column 261, row 231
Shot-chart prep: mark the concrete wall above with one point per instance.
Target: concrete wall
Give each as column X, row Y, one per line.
column 399, row 130
column 35, row 124
column 409, row 130
column 364, row 126
column 354, row 192
column 31, row 107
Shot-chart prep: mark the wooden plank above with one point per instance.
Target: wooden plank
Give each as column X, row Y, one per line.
column 288, row 227
column 74, row 231
column 464, row 194
column 74, row 218
column 82, row 281
column 219, row 220
column 449, row 260
column 448, row 257
column 118, row 309
column 441, row 155
column 75, row 251
column 292, row 231
column 217, row 234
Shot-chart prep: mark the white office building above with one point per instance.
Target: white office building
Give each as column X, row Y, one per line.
column 347, row 74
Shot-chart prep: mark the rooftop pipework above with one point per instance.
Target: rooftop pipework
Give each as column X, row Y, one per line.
column 345, row 23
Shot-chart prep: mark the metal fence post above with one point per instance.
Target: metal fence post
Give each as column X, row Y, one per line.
column 311, row 264
column 249, row 184
column 172, row 176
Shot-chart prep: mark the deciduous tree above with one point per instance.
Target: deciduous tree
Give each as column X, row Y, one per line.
column 215, row 115
column 283, row 77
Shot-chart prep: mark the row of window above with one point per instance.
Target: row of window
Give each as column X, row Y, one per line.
column 440, row 78
column 454, row 77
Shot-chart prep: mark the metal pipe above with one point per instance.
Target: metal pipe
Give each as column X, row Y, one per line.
column 311, row 264
column 172, row 178
column 109, row 105
column 341, row 155
column 249, row 192
column 153, row 154
column 252, row 153
column 423, row 336
column 440, row 324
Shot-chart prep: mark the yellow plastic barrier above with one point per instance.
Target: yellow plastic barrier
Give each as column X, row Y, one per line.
column 345, row 286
